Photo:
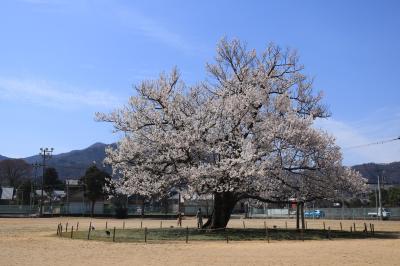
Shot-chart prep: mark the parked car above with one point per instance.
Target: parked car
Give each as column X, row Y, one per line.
column 314, row 214
column 384, row 213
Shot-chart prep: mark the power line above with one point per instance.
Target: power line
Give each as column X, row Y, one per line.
column 373, row 143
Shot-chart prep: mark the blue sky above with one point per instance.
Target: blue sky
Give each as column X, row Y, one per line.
column 63, row 60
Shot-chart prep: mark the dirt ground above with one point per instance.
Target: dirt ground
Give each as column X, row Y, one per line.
column 31, row 241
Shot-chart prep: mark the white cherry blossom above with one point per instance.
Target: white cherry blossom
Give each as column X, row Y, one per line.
column 247, row 132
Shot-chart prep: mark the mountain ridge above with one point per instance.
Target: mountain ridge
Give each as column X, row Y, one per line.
column 389, row 172
column 73, row 164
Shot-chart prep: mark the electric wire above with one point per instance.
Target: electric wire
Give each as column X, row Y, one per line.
column 372, row 144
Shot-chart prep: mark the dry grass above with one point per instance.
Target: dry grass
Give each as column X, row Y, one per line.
column 32, row 242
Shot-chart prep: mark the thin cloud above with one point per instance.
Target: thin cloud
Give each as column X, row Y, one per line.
column 46, row 93
column 349, row 135
column 126, row 16
column 151, row 28
column 45, row 3
column 38, row 2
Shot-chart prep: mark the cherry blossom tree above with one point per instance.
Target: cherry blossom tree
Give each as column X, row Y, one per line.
column 245, row 133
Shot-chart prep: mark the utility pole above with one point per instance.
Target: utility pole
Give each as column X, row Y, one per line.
column 35, row 166
column 67, row 183
column 376, row 202
column 46, row 154
column 342, row 206
column 380, row 200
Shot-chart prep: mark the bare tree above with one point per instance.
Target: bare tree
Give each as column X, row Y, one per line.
column 13, row 172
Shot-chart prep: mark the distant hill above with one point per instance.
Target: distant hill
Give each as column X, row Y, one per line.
column 73, row 164
column 390, row 172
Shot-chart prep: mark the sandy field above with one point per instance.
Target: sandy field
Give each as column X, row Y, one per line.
column 31, row 241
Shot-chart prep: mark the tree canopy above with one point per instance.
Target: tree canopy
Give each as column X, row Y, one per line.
column 246, row 132
column 51, row 180
column 95, row 181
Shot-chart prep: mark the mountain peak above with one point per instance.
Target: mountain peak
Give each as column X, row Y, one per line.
column 97, row 145
column 73, row 164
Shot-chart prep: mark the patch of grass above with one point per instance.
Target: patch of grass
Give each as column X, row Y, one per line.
column 233, row 234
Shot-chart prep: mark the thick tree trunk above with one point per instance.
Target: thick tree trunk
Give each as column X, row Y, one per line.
column 223, row 205
column 92, row 209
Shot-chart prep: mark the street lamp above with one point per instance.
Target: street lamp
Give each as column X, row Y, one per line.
column 46, row 153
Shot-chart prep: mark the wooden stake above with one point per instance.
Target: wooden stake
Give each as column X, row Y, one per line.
column 106, row 225
column 72, row 231
column 77, row 226
column 66, row 227
column 114, row 235
column 324, row 226
column 354, row 224
column 329, row 233
column 145, row 234
column 90, row 229
column 286, row 224
column 187, row 234
column 123, row 225
column 160, row 224
column 341, row 229
column 244, row 225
